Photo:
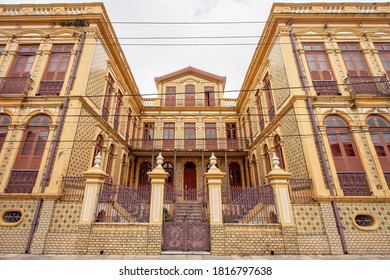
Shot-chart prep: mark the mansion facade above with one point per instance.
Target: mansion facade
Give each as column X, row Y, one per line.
column 315, row 104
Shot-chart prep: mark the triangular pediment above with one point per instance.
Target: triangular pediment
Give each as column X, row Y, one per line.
column 194, row 72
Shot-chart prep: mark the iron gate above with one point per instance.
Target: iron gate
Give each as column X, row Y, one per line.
column 187, row 228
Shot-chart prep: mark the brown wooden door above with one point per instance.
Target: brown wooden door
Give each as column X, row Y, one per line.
column 190, row 181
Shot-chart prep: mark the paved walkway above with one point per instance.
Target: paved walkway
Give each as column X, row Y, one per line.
column 190, row 257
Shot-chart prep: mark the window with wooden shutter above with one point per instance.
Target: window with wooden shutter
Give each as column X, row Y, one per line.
column 118, row 110
column 147, row 142
column 170, row 96
column 384, row 55
column 5, row 120
column 169, row 136
column 269, row 99
column 267, row 159
column 231, row 135
column 33, row 144
column 98, row 148
column 211, row 136
column 189, row 136
column 107, row 97
column 342, row 144
column 58, row 63
column 259, row 110
column 279, row 151
column 380, row 136
column 209, row 96
column 110, row 161
column 189, row 95
column 23, row 61
column 354, row 60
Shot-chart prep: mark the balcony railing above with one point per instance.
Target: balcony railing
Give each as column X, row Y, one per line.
column 15, row 85
column 22, row 181
column 192, row 102
column 301, row 190
column 50, row 88
column 73, row 188
column 326, row 87
column 354, row 184
column 376, row 85
column 249, row 205
column 217, row 144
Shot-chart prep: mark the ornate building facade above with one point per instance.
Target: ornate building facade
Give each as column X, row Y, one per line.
column 312, row 116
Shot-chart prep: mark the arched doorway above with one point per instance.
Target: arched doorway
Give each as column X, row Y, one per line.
column 190, row 181
column 143, row 179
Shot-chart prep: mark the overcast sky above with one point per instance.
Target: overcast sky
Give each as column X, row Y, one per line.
column 147, row 62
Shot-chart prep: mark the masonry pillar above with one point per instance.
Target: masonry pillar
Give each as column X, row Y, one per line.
column 278, row 179
column 158, row 177
column 214, row 181
column 95, row 177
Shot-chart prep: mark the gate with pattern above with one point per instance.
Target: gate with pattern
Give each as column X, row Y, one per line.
column 186, row 226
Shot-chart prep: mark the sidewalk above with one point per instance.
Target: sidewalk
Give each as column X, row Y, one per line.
column 190, row 257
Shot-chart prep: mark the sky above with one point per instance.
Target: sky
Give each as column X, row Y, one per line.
column 156, row 59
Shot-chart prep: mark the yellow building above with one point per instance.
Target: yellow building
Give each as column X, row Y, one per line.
column 304, row 150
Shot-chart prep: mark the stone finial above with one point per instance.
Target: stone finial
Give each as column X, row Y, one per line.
column 275, row 162
column 160, row 160
column 98, row 160
column 213, row 161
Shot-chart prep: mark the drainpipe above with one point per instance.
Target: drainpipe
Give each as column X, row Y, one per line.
column 319, row 144
column 46, row 176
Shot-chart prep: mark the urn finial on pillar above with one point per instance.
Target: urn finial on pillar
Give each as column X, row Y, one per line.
column 98, row 160
column 275, row 162
column 160, row 160
column 213, row 161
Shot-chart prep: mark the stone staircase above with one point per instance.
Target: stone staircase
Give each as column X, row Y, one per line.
column 189, row 211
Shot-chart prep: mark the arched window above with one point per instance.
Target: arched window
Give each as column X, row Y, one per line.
column 143, row 176
column 26, row 167
column 190, row 95
column 33, row 144
column 5, row 120
column 267, row 160
column 168, row 167
column 110, row 160
column 342, row 145
column 380, row 136
column 235, row 175
column 349, row 168
column 279, row 151
column 98, row 148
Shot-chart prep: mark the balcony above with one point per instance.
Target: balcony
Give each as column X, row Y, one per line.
column 49, row 88
column 22, row 181
column 213, row 145
column 73, row 188
column 15, row 85
column 354, row 184
column 326, row 88
column 371, row 85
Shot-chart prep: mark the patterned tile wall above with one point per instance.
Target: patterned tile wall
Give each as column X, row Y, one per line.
column 97, row 76
column 83, row 147
column 278, row 73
